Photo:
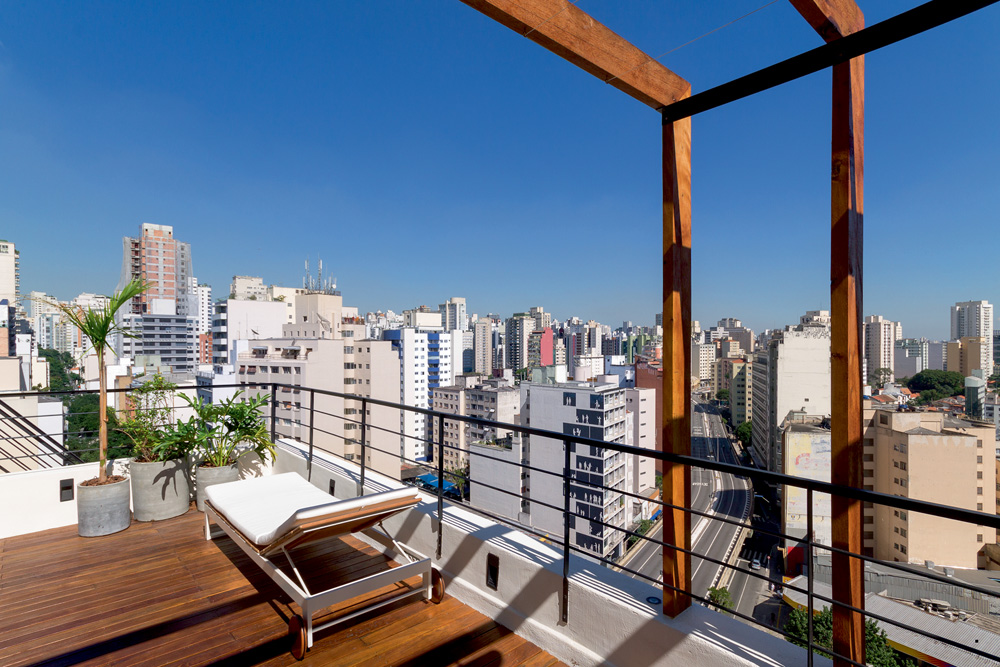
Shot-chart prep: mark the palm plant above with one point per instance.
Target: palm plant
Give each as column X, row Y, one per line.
column 99, row 326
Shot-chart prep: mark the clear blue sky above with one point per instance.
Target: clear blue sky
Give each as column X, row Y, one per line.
column 424, row 151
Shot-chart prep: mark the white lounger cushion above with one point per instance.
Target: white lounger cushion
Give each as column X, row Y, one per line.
column 265, row 508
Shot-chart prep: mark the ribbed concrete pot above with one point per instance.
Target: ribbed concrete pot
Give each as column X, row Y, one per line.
column 102, row 510
column 160, row 490
column 206, row 477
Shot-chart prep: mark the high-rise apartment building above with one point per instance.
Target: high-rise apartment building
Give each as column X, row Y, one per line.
column 582, row 409
column 879, row 342
column 163, row 317
column 453, row 314
column 482, row 345
column 542, row 319
column 518, row 330
column 540, row 344
column 969, row 354
column 791, row 373
column 974, row 319
column 741, row 390
column 935, row 458
column 491, row 400
column 425, row 363
column 10, row 273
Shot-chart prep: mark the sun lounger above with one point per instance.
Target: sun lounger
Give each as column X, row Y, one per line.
column 276, row 514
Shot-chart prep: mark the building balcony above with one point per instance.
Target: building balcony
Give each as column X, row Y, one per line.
column 513, row 595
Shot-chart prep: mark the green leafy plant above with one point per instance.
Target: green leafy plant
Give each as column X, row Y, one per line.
column 720, row 596
column 149, row 411
column 238, row 428
column 99, row 326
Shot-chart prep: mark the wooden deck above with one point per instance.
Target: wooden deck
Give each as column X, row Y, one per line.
column 159, row 593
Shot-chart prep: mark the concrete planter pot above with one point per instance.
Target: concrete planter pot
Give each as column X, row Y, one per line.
column 103, row 510
column 160, row 490
column 206, row 477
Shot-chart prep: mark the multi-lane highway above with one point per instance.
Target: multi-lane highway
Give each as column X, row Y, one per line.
column 716, row 494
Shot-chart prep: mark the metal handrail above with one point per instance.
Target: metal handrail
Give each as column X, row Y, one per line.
column 567, row 474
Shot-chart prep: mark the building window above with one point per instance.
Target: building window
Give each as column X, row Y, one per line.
column 979, row 538
column 979, row 459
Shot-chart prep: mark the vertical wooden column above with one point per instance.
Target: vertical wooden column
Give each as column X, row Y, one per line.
column 847, row 208
column 676, row 398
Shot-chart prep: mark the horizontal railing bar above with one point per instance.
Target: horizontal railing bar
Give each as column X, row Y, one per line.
column 933, row 509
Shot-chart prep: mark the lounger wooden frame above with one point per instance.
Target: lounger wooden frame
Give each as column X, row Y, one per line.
column 308, row 531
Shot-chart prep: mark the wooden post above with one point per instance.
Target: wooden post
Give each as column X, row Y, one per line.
column 847, row 212
column 676, row 434
column 834, row 19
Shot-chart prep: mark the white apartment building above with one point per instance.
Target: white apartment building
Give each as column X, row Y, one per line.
column 880, row 336
column 236, row 320
column 702, row 359
column 453, row 315
column 423, row 318
column 641, row 470
column 974, row 319
column 10, row 273
column 248, row 288
column 498, row 483
column 425, row 363
column 472, row 396
column 203, row 297
column 791, row 373
column 580, row 409
column 363, row 367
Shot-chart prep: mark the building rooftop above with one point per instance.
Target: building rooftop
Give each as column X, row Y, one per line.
column 160, row 593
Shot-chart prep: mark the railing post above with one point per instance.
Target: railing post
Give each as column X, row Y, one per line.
column 312, row 416
column 566, row 492
column 440, row 489
column 364, row 435
column 274, row 407
column 809, row 574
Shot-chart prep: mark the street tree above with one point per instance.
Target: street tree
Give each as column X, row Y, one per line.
column 720, row 596
column 878, row 653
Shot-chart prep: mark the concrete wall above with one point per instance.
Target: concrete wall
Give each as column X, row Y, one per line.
column 610, row 620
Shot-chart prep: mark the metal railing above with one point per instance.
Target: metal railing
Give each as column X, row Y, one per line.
column 567, row 475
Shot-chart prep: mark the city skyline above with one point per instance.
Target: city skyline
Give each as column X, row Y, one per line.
column 364, row 136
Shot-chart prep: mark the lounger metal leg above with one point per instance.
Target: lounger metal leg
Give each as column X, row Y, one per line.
column 208, row 529
column 296, row 571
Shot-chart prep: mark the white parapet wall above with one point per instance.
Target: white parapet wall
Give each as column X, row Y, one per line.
column 30, row 500
column 610, row 621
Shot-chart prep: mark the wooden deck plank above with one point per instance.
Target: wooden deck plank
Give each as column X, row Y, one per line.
column 159, row 593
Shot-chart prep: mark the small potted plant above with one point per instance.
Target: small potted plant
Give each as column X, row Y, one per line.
column 161, row 486
column 102, row 503
column 237, row 428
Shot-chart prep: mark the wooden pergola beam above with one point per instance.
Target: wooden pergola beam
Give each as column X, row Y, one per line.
column 571, row 33
column 834, row 19
column 676, row 398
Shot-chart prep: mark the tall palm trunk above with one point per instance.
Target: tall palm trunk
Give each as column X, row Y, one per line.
column 103, row 416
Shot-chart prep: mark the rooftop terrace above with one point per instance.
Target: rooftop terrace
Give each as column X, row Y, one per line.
column 160, row 593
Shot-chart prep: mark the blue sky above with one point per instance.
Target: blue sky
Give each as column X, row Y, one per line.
column 424, row 151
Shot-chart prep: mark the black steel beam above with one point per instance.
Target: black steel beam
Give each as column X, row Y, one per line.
column 913, row 22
